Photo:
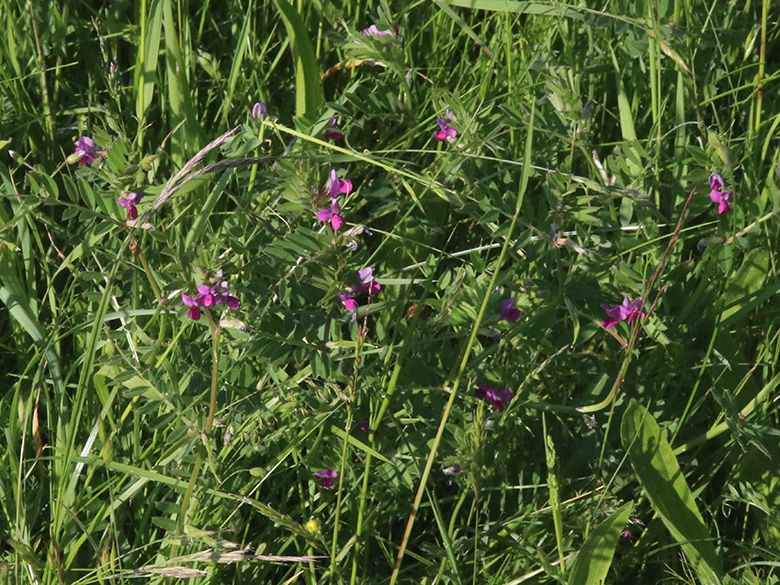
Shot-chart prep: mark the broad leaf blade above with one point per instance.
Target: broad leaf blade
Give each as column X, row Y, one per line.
column 308, row 86
column 660, row 475
column 595, row 557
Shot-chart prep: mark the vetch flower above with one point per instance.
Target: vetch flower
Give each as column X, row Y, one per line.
column 334, row 187
column 446, row 133
column 332, row 214
column 259, row 111
column 331, row 134
column 451, row 470
column 628, row 311
column 130, row 200
column 374, row 31
column 718, row 196
column 366, row 284
column 87, row 148
column 327, row 476
column 508, row 310
column 497, row 399
column 209, row 296
column 194, row 304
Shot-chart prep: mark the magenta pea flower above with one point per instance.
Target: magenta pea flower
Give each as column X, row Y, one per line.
column 87, row 148
column 259, row 111
column 497, row 399
column 446, row 133
column 508, row 310
column 130, row 200
column 209, row 296
column 374, row 31
column 194, row 304
column 628, row 311
column 334, row 187
column 330, row 133
column 366, row 285
column 332, row 214
column 718, row 196
column 327, row 476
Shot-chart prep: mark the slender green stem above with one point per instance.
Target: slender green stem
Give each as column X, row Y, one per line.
column 466, row 356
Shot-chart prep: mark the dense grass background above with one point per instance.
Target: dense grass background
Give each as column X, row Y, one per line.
column 138, row 443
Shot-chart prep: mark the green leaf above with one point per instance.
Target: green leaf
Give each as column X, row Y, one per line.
column 595, row 556
column 308, row 86
column 660, row 475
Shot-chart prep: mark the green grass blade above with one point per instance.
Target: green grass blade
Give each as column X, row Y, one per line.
column 308, row 87
column 595, row 557
column 146, row 61
column 660, row 475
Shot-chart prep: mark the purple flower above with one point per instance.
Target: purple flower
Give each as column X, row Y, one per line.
column 628, row 311
column 130, row 201
column 87, row 148
column 447, row 132
column 366, row 284
column 497, row 399
column 508, row 310
column 259, row 111
column 451, row 470
column 327, row 476
column 194, row 304
column 334, row 187
column 332, row 214
column 331, row 134
column 373, row 30
column 720, row 197
column 209, row 296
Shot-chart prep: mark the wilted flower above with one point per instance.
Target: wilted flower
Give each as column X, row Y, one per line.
column 331, row 134
column 373, row 30
column 508, row 310
column 259, row 111
column 497, row 399
column 628, row 311
column 130, row 200
column 720, row 197
column 327, row 476
column 87, row 148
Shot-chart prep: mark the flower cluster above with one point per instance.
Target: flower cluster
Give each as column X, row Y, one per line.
column 130, row 200
column 628, row 311
column 87, row 149
column 374, row 31
column 366, row 284
column 497, row 399
column 209, row 296
column 332, row 132
column 717, row 195
column 334, row 187
column 446, row 132
column 327, row 476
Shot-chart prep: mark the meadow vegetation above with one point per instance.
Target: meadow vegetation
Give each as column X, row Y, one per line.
column 362, row 291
